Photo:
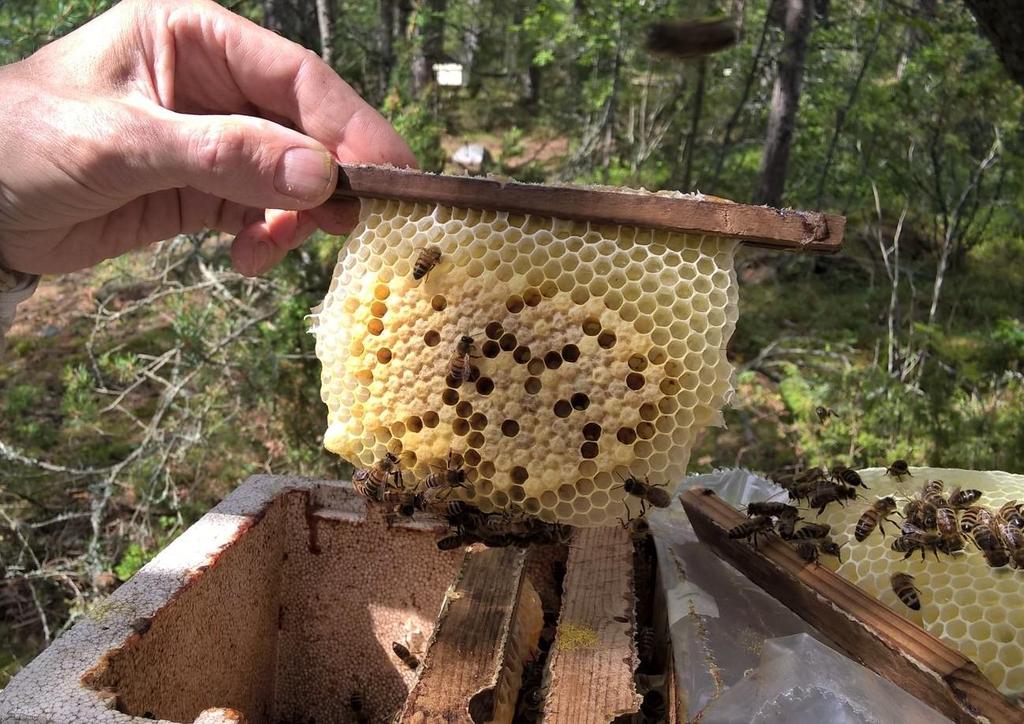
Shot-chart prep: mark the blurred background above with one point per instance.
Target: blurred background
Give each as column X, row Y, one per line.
column 137, row 394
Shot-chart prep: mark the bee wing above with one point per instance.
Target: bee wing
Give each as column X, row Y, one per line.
column 911, row 529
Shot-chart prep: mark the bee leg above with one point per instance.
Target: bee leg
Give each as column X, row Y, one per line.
column 822, row 508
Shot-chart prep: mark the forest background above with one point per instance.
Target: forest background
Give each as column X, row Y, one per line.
column 137, row 394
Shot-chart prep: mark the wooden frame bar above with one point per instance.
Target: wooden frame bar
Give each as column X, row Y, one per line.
column 858, row 623
column 786, row 230
column 591, row 664
column 467, row 654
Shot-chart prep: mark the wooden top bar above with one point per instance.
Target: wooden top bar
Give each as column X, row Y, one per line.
column 869, row 631
column 781, row 229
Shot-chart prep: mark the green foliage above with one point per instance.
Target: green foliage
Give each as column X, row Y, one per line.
column 421, row 128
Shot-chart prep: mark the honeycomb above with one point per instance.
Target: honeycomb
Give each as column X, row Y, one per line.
column 977, row 609
column 599, row 352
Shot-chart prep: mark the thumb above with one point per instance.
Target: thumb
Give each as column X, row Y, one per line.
column 247, row 160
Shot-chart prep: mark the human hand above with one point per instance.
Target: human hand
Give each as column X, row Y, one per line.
column 162, row 117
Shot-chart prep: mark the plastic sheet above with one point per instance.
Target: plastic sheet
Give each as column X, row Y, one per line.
column 722, row 627
column 802, row 681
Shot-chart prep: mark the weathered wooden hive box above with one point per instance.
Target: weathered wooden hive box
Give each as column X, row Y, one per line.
column 285, row 600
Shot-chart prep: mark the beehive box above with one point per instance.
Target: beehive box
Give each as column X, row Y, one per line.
column 599, row 350
column 286, row 599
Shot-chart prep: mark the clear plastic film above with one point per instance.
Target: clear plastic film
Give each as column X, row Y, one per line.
column 740, row 655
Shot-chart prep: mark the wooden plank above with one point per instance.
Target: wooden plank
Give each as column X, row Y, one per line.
column 870, row 632
column 467, row 652
column 780, row 229
column 591, row 664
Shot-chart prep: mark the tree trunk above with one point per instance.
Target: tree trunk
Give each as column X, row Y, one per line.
column 323, row 22
column 841, row 114
column 695, row 115
column 386, row 45
column 429, row 46
column 748, row 84
column 1002, row 22
column 785, row 101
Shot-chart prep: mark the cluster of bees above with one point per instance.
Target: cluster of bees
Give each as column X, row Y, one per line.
column 931, row 521
column 767, row 517
column 382, row 483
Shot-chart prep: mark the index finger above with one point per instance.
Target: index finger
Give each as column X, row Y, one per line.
column 280, row 79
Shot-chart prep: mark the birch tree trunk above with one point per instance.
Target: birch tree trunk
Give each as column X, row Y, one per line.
column 323, row 22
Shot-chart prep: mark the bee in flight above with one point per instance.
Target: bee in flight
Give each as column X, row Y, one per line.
column 905, row 590
column 899, row 469
column 824, row 413
column 429, row 257
column 404, row 655
column 372, row 482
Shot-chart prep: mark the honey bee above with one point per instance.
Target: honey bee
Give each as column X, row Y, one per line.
column 646, row 645
column 459, row 367
column 653, row 706
column 648, row 492
column 406, row 502
column 1013, row 537
column 949, row 529
column 456, row 540
column 913, row 538
column 1010, row 514
column 830, row 547
column 898, row 470
column 905, row 590
column 372, row 482
column 808, row 550
column 638, row 528
column 873, row 517
column 786, row 525
column 831, row 493
column 974, row 516
column 849, row 476
column 758, row 525
column 962, row 498
column 355, row 703
column 404, row 655
column 932, row 493
column 771, row 508
column 824, row 413
column 986, row 537
column 450, row 477
column 792, row 480
column 429, row 257
column 920, row 513
column 812, row 530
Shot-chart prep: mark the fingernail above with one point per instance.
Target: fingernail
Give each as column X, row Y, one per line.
column 304, row 174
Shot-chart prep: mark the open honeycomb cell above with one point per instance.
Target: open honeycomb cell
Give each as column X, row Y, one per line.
column 598, row 353
column 977, row 609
